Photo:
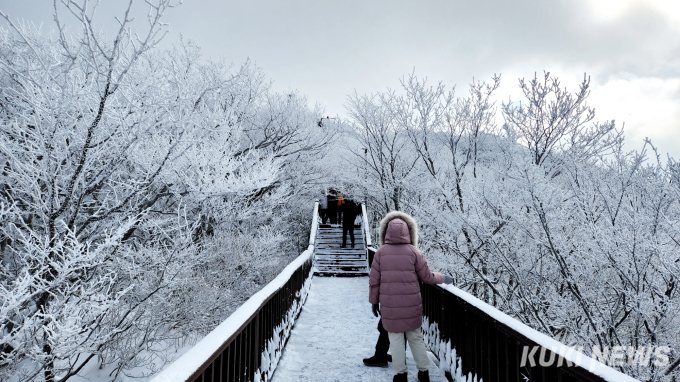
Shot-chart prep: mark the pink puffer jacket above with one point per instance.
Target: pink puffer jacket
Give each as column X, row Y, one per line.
column 396, row 269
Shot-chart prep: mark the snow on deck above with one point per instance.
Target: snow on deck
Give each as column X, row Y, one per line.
column 334, row 332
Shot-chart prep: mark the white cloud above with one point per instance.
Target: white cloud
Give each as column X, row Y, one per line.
column 649, row 106
column 612, row 9
column 609, row 9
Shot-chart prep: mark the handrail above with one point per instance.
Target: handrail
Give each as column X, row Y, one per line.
column 248, row 344
column 367, row 231
column 370, row 254
column 315, row 224
column 472, row 338
column 370, row 251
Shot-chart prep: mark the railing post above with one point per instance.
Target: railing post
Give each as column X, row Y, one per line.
column 315, row 224
column 257, row 350
column 367, row 231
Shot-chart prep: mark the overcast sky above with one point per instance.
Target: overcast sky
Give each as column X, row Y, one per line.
column 328, row 49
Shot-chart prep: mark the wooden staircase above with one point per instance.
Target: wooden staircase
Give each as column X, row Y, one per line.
column 332, row 260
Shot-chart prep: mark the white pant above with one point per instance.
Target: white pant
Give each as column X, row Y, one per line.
column 398, row 348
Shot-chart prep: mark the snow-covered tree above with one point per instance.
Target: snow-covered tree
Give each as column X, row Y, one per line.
column 143, row 194
column 545, row 217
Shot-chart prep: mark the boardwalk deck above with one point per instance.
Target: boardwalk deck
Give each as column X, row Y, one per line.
column 334, row 332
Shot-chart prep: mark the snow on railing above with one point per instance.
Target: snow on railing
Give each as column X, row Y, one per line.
column 315, row 224
column 367, row 231
column 370, row 250
column 475, row 341
column 247, row 346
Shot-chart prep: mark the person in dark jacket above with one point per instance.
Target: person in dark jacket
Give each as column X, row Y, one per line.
column 350, row 211
column 380, row 358
column 394, row 291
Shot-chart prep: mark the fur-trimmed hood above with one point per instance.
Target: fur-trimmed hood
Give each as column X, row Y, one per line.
column 398, row 229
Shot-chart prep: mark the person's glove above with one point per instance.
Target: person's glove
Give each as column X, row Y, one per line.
column 376, row 310
column 448, row 279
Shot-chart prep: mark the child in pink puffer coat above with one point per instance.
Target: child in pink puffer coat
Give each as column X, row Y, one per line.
column 397, row 267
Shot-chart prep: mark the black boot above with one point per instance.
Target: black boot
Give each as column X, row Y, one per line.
column 423, row 376
column 376, row 361
column 400, row 378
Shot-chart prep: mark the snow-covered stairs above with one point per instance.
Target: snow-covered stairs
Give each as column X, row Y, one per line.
column 330, row 259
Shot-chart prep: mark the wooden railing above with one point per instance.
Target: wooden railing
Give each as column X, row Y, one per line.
column 248, row 345
column 370, row 250
column 475, row 339
column 365, row 226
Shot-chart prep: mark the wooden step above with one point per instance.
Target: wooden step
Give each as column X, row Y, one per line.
column 336, row 226
column 342, row 263
column 347, row 256
column 339, row 260
column 340, row 252
column 357, row 244
column 338, row 241
column 340, row 274
column 334, row 235
column 341, row 266
column 337, row 247
column 338, row 270
column 332, row 230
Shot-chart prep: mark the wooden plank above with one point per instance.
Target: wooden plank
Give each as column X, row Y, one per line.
column 346, row 257
column 336, row 273
column 326, row 256
column 349, row 263
column 337, row 241
column 341, row 269
column 340, row 251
